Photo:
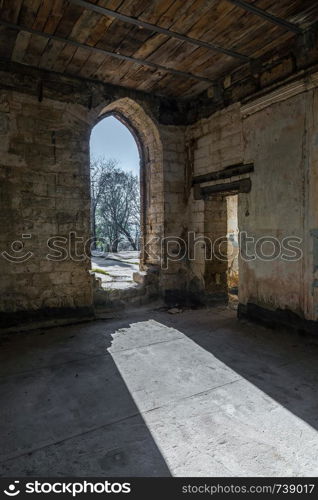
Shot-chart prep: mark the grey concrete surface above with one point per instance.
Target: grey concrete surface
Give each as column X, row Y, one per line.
column 154, row 394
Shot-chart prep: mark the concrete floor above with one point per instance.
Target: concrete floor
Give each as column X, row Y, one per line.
column 154, row 394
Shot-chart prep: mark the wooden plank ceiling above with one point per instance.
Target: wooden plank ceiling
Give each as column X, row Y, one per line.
column 215, row 21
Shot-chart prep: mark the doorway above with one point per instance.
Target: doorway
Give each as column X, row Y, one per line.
column 232, row 247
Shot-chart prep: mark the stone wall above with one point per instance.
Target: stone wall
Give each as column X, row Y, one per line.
column 44, row 193
column 173, row 269
column 217, row 143
column 219, row 140
column 278, row 134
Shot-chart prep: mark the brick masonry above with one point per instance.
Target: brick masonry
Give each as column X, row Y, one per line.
column 45, row 194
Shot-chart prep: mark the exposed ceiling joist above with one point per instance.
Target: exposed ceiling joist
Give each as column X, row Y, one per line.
column 266, row 15
column 121, row 57
column 159, row 29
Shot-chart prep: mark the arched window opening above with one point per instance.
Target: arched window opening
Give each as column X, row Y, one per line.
column 115, row 203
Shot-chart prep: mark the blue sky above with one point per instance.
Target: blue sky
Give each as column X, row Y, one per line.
column 112, row 139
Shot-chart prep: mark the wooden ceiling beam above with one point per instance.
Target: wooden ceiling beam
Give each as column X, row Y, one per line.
column 158, row 29
column 121, row 57
column 266, row 15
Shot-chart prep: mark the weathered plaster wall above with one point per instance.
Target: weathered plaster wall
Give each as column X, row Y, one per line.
column 275, row 140
column 311, row 222
column 280, row 138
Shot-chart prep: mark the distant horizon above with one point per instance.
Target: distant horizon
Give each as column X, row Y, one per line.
column 111, row 139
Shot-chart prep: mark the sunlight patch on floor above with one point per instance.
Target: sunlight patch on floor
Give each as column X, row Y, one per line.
column 205, row 418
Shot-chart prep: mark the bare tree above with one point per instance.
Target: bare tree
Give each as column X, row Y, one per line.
column 98, row 167
column 115, row 204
